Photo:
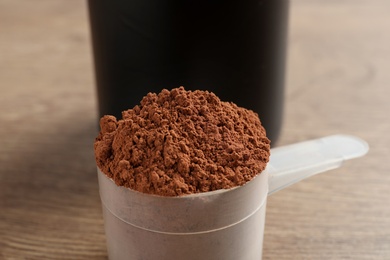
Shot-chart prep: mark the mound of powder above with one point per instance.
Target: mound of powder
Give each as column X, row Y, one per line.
column 182, row 142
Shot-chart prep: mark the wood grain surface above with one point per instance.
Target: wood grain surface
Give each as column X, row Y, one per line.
column 338, row 82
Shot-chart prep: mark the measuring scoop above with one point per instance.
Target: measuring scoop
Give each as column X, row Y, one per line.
column 223, row 224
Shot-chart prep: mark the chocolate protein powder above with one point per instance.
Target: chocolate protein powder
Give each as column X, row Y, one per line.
column 182, row 142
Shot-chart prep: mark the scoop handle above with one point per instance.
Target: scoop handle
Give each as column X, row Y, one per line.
column 293, row 163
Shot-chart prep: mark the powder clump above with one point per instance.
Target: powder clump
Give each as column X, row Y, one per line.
column 181, row 142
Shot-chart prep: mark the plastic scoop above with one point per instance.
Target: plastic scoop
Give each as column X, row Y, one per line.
column 223, row 224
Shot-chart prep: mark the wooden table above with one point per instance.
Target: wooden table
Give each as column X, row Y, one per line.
column 338, row 82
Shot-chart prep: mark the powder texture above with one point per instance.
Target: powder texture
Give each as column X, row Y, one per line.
column 182, row 142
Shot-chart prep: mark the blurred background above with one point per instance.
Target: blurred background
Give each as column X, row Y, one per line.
column 337, row 82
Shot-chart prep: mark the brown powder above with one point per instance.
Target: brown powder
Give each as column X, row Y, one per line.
column 181, row 142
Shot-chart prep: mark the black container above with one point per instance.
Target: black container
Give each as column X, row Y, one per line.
column 236, row 49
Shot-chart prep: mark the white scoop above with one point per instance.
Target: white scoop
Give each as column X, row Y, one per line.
column 223, row 224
